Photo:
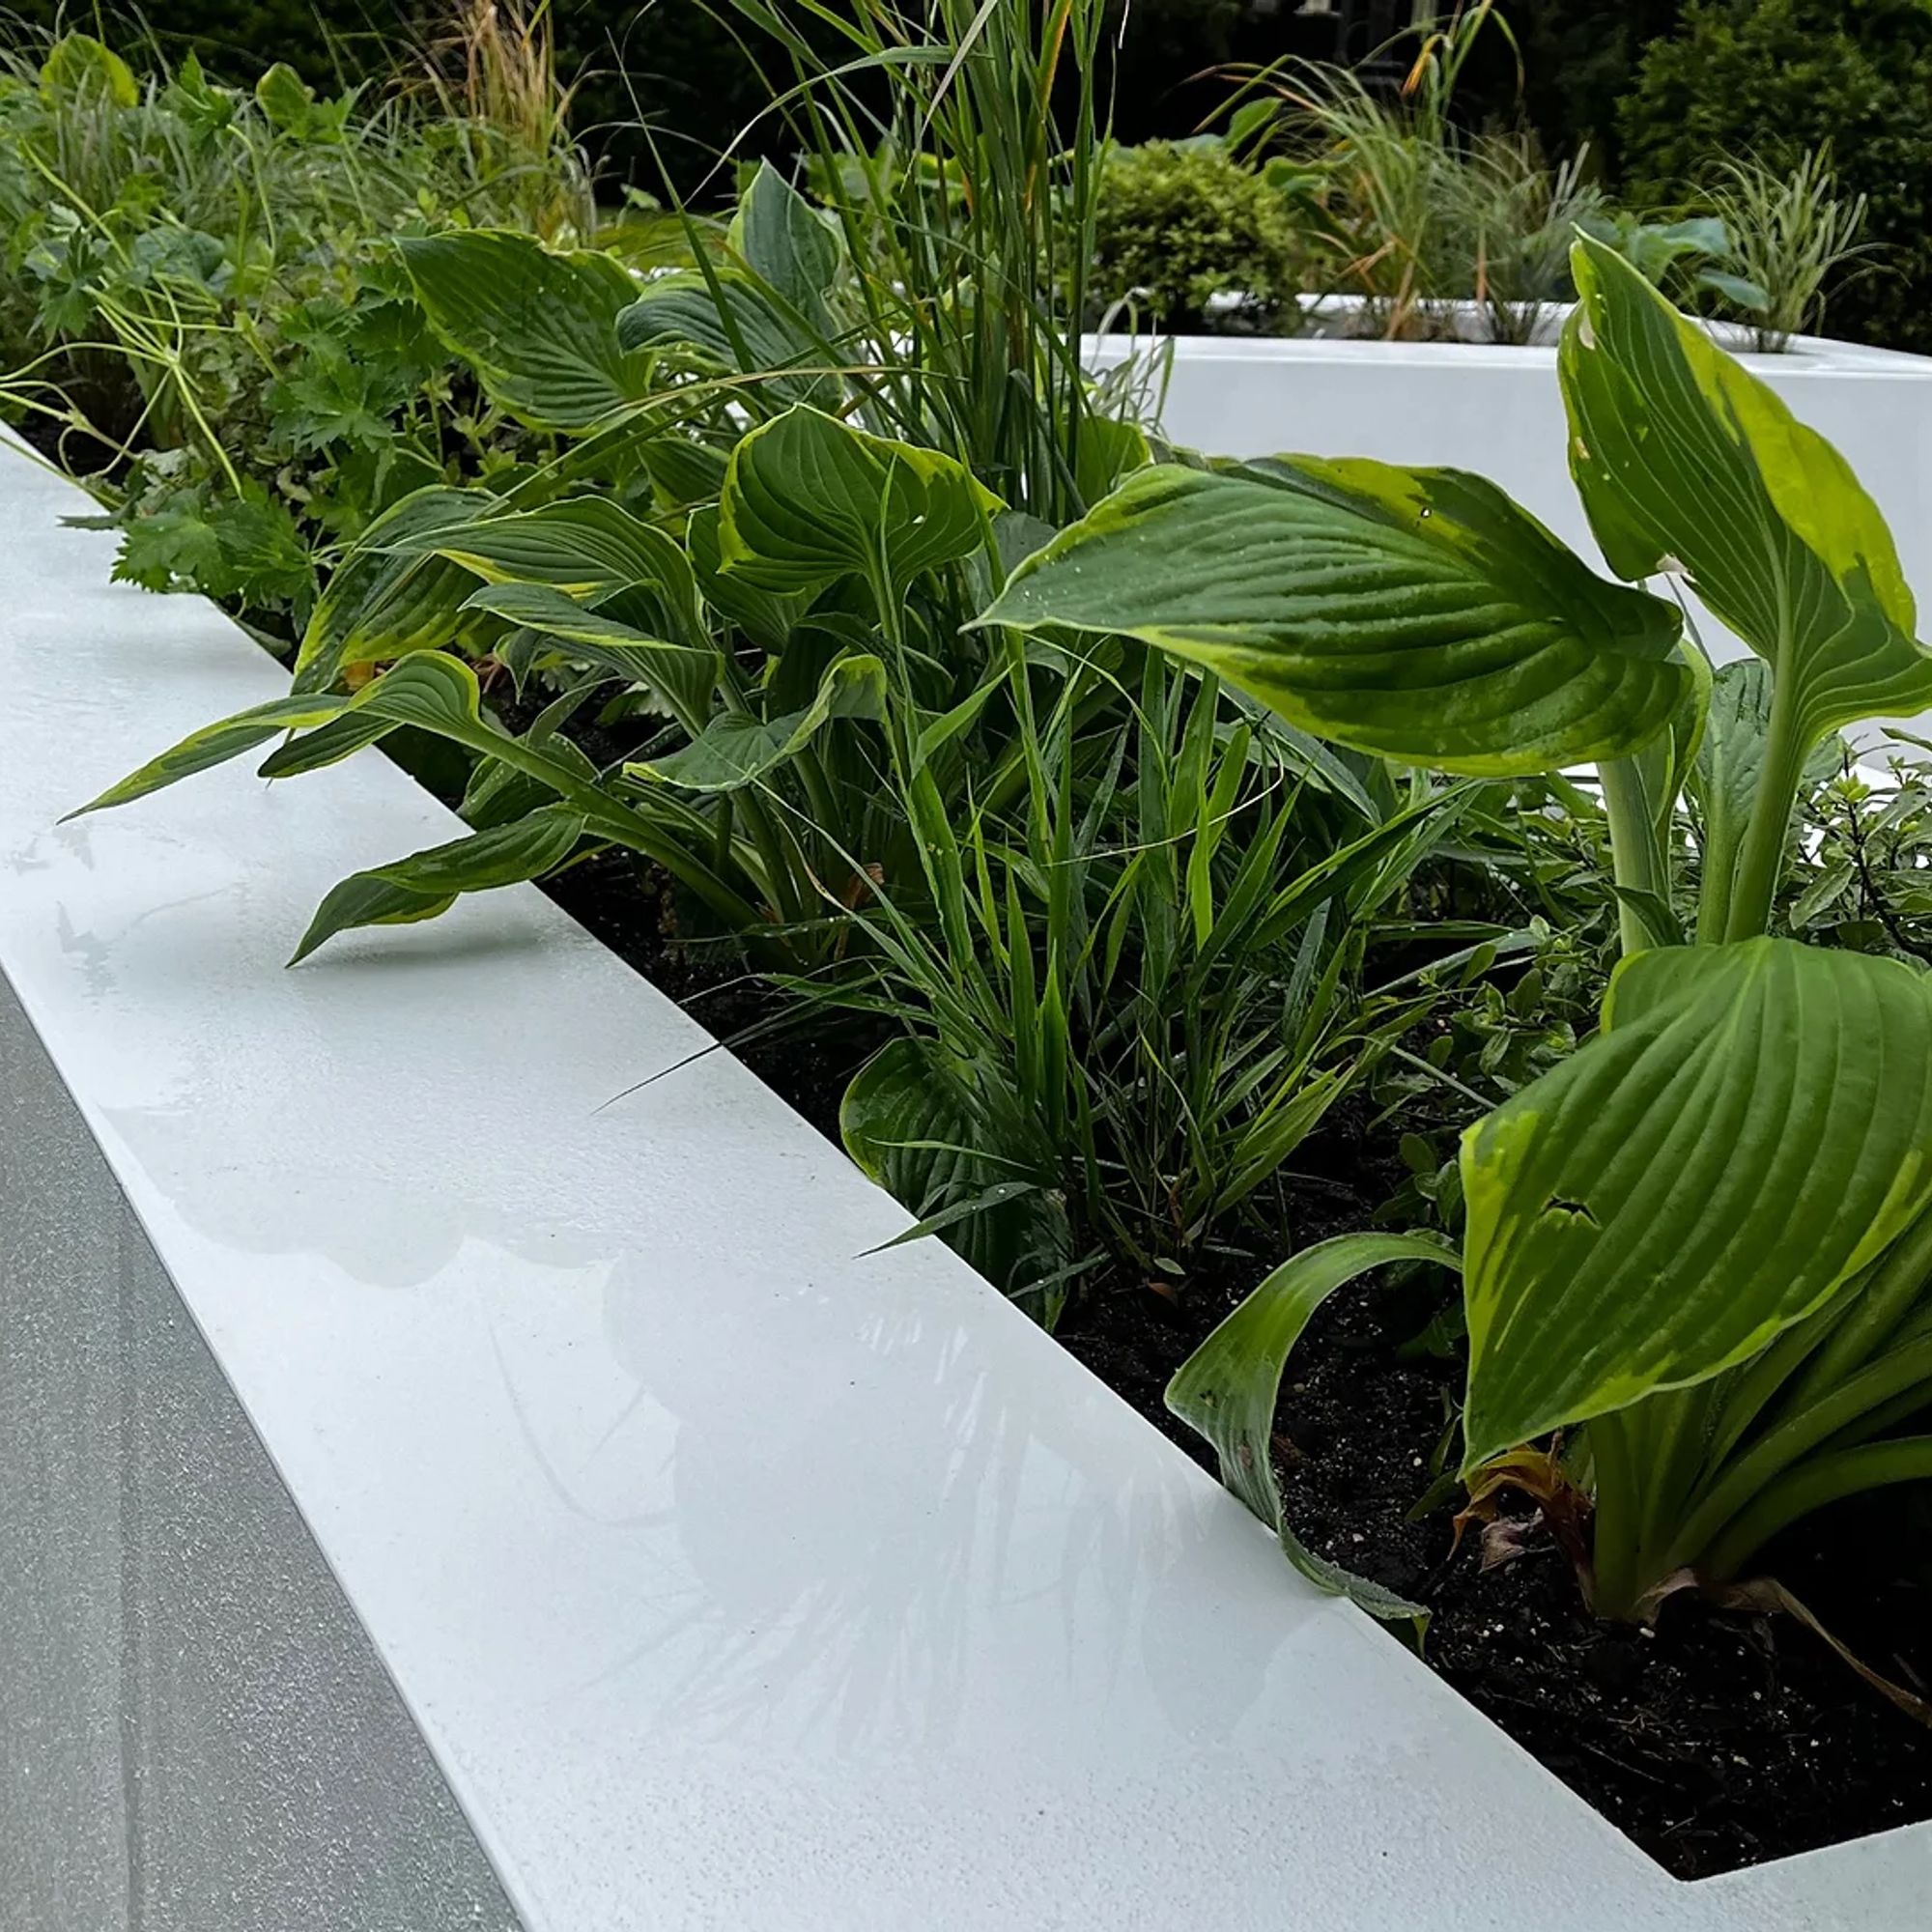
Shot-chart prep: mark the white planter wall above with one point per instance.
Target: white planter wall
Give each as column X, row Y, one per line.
column 413, row 1466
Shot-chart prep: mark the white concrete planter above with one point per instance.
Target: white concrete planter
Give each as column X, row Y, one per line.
column 431, row 1497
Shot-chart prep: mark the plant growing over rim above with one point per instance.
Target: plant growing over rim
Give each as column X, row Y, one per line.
column 768, row 527
column 1705, row 1241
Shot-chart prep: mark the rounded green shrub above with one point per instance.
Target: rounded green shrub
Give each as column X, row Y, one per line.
column 1773, row 78
column 1181, row 223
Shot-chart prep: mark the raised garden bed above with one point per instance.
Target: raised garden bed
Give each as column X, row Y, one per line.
column 655, row 1499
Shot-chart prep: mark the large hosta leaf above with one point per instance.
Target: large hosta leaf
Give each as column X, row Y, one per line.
column 1686, row 462
column 1228, row 1389
column 540, row 329
column 809, row 500
column 1753, row 1125
column 1417, row 613
column 725, row 320
column 385, row 602
column 583, row 546
column 795, row 250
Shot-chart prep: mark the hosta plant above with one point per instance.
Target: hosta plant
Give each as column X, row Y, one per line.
column 1699, row 1254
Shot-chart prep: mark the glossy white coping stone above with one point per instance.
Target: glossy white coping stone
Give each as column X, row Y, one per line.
column 734, row 1579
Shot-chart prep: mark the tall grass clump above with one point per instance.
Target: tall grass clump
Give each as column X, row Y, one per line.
column 957, row 144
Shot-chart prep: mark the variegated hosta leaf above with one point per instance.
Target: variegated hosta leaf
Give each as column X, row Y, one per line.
column 1417, row 613
column 429, row 882
column 539, row 329
column 725, row 321
column 735, row 748
column 385, row 602
column 809, row 500
column 593, row 638
column 584, row 547
column 1686, row 462
column 767, row 617
column 795, row 248
column 1753, row 1125
column 215, row 744
column 1227, row 1391
column 428, row 689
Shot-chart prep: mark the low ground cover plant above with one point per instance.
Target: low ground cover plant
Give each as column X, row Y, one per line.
column 204, row 314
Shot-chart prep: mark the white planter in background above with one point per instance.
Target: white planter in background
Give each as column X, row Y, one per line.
column 431, row 1496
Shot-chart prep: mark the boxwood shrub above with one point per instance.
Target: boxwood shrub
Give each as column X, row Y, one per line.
column 1775, row 78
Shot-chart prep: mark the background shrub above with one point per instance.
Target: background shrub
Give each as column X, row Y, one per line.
column 1180, row 222
column 1773, row 77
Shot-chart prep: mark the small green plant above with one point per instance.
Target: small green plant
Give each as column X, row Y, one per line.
column 1383, row 180
column 206, row 317
column 1189, row 239
column 1792, row 238
column 1702, row 1240
column 1515, row 218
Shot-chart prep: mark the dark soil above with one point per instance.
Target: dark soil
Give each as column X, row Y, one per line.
column 1715, row 1741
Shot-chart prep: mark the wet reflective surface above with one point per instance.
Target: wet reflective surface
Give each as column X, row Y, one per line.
column 734, row 1579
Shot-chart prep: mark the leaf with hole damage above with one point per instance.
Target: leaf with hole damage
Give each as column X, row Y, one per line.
column 1753, row 1125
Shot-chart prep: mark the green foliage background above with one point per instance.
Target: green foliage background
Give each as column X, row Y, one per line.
column 1775, row 77
column 1659, row 89
column 1181, row 224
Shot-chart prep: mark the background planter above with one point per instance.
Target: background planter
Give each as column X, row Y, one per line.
column 377, row 1399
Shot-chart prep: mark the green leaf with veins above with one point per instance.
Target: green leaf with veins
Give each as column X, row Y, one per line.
column 385, row 602
column 795, row 248
column 1688, row 463
column 539, row 328
column 1753, row 1125
column 726, row 322
column 429, row 882
column 809, row 500
column 1416, row 613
